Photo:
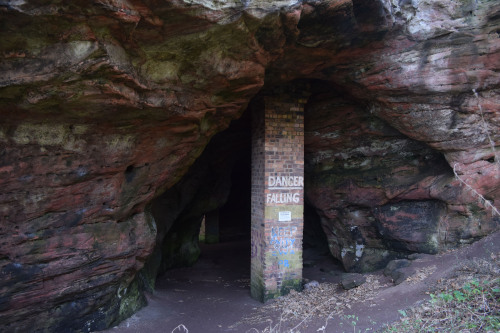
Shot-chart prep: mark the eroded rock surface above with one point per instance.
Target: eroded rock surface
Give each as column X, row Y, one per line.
column 105, row 104
column 380, row 194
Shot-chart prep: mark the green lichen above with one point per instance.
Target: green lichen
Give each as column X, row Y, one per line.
column 131, row 300
column 206, row 123
column 12, row 93
column 42, row 134
column 189, row 57
column 286, row 286
column 147, row 275
column 432, row 244
column 257, row 290
column 291, row 284
column 161, row 71
column 119, row 143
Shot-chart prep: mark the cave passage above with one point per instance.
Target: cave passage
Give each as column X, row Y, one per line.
column 240, row 207
column 231, row 221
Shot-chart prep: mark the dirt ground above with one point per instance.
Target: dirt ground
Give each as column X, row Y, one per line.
column 214, row 294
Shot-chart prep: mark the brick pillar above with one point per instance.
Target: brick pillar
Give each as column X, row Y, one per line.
column 277, row 198
column 212, row 227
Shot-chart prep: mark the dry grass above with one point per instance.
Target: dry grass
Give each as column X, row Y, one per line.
column 322, row 302
column 421, row 274
column 467, row 301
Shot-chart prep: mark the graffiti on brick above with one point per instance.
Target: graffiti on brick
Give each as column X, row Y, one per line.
column 284, row 263
column 282, row 240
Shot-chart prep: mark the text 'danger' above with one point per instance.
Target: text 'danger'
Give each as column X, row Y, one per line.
column 285, row 182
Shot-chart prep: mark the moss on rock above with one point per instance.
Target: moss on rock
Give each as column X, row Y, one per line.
column 131, row 299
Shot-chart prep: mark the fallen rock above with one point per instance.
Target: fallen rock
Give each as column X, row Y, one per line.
column 395, row 265
column 352, row 280
column 399, row 270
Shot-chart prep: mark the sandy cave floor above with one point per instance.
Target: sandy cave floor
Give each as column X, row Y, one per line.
column 214, row 294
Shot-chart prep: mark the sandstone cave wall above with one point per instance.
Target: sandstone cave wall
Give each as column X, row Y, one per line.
column 380, row 194
column 104, row 106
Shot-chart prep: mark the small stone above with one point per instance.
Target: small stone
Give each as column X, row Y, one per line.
column 311, row 285
column 352, row 280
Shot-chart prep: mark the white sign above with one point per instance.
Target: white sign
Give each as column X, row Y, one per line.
column 284, row 216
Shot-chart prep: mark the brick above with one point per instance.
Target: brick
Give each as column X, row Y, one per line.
column 278, row 151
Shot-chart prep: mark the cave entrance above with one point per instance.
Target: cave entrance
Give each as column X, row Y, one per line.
column 248, row 188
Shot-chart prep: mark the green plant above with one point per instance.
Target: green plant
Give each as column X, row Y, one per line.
column 471, row 307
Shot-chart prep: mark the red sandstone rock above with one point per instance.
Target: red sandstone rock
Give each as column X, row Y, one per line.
column 105, row 104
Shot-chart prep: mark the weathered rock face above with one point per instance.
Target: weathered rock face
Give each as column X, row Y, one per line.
column 380, row 194
column 104, row 105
